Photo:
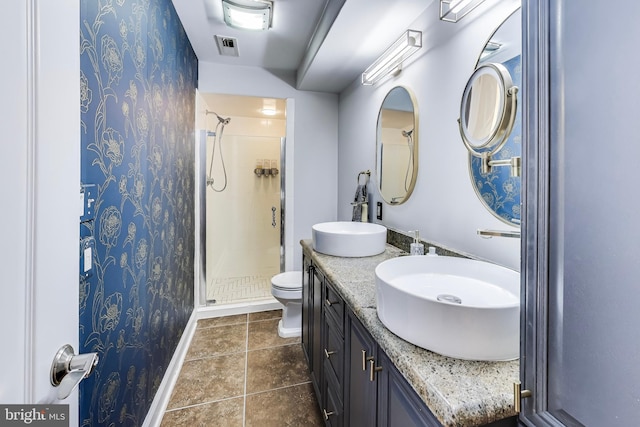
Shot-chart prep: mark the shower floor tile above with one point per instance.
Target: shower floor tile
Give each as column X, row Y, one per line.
column 227, row 290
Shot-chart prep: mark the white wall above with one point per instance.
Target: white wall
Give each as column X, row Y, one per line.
column 443, row 206
column 312, row 146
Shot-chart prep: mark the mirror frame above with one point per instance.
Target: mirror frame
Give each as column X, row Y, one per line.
column 517, row 124
column 415, row 136
column 498, row 135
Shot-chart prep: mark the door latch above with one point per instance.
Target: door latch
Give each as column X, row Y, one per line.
column 68, row 369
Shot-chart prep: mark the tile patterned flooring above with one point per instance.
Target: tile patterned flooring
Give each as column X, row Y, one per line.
column 239, row 373
column 233, row 289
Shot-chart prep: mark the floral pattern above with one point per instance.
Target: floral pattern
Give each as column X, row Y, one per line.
column 137, row 102
column 498, row 191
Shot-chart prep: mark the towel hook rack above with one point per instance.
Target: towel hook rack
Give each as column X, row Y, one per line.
column 368, row 175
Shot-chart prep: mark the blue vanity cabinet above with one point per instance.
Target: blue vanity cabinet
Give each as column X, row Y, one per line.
column 312, row 297
column 307, row 304
column 361, row 392
column 323, row 341
column 356, row 384
column 378, row 394
column 333, row 354
column 398, row 403
column 317, row 285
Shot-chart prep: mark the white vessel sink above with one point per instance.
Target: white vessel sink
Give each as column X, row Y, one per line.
column 349, row 239
column 457, row 307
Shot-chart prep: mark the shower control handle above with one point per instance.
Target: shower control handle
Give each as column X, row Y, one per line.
column 273, row 216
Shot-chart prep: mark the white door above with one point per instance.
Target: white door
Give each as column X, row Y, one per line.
column 40, row 180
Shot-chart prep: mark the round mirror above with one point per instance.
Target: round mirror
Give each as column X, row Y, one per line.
column 497, row 188
column 397, row 146
column 486, row 113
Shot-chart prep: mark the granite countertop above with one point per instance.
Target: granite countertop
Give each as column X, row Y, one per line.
column 458, row 392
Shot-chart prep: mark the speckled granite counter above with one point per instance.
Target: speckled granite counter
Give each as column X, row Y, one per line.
column 458, row 392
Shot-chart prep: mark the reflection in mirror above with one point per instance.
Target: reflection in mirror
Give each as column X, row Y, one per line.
column 497, row 189
column 481, row 121
column 397, row 148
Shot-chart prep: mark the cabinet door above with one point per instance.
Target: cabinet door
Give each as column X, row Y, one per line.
column 398, row 403
column 306, row 310
column 332, row 407
column 360, row 400
column 316, row 328
column 333, row 351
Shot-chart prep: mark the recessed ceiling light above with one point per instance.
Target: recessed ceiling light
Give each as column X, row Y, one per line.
column 248, row 14
column 269, row 111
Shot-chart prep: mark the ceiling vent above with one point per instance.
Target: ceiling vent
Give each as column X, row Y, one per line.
column 227, row 46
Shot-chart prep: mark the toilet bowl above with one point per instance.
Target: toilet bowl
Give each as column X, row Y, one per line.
column 287, row 289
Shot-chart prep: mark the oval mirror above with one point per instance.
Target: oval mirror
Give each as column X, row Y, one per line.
column 397, row 146
column 497, row 188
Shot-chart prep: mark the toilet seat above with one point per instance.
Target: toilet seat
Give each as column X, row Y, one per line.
column 287, row 281
column 288, row 287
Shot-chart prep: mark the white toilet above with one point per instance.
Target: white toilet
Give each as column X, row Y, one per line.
column 287, row 289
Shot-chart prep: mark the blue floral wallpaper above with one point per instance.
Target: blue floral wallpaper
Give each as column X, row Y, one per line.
column 497, row 190
column 138, row 78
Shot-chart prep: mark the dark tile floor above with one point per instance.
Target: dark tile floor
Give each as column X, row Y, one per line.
column 239, row 372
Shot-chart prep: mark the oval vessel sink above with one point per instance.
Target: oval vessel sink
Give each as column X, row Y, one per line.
column 457, row 307
column 349, row 239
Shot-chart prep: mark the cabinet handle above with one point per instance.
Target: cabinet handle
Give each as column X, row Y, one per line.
column 519, row 394
column 365, row 359
column 327, row 414
column 328, row 353
column 373, row 369
column 329, row 303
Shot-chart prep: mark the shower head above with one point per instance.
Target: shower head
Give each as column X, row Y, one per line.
column 223, row 120
column 407, row 134
column 220, row 119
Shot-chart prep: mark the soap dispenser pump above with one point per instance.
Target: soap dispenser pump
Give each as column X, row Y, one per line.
column 417, row 248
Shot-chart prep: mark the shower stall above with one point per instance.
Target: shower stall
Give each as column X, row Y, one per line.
column 244, row 205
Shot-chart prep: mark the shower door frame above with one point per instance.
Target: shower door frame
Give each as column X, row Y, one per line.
column 201, row 173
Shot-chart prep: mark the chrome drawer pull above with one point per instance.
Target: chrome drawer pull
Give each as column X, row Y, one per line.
column 327, row 414
column 373, row 369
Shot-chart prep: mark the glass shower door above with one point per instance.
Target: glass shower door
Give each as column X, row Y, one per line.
column 243, row 237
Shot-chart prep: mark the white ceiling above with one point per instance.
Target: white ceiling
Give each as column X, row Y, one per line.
column 323, row 44
column 244, row 106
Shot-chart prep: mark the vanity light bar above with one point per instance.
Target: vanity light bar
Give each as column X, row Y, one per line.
column 392, row 58
column 455, row 10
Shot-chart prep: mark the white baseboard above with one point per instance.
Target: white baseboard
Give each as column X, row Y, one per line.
column 161, row 399
column 238, row 308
